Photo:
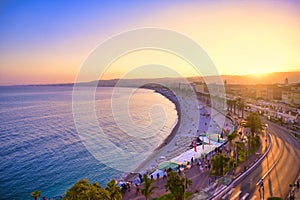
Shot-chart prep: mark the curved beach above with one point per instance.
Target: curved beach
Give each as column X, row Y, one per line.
column 177, row 142
column 181, row 136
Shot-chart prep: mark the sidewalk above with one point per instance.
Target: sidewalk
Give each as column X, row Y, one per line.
column 200, row 180
column 252, row 159
column 239, row 170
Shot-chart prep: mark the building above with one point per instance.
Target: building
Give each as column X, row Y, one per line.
column 291, row 95
column 264, row 92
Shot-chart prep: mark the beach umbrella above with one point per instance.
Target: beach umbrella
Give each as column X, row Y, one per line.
column 167, row 165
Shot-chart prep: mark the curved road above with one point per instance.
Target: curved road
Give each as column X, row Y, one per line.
column 279, row 169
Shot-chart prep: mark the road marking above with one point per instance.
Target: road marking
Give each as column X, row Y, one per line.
column 228, row 193
column 236, row 195
column 219, row 195
column 274, row 164
column 245, row 196
column 219, row 189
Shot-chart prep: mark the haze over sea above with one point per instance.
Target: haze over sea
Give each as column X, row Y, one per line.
column 41, row 149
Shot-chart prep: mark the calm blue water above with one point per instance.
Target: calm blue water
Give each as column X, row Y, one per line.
column 41, row 149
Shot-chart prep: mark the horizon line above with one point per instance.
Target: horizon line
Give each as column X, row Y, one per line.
column 145, row 78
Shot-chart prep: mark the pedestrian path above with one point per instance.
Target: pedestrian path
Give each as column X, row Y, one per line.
column 202, row 183
column 234, row 193
column 200, row 180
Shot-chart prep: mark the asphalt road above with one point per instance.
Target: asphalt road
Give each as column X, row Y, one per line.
column 278, row 169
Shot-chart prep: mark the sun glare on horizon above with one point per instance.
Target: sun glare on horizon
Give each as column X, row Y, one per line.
column 240, row 37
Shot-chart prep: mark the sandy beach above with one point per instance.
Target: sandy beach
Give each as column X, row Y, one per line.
column 192, row 121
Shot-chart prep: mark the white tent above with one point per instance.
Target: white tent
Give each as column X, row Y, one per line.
column 186, row 156
column 213, row 139
column 158, row 171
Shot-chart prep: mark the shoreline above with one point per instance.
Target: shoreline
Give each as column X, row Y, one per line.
column 167, row 93
column 179, row 139
column 171, row 97
column 176, row 143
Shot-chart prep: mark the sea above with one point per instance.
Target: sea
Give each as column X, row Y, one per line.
column 41, row 147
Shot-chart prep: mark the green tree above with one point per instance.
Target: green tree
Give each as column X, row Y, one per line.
column 219, row 162
column 114, row 190
column 234, row 103
column 240, row 150
column 215, row 162
column 83, row 190
column 241, row 107
column 177, row 185
column 35, row 194
column 148, row 186
column 231, row 137
column 230, row 104
column 97, row 192
column 253, row 122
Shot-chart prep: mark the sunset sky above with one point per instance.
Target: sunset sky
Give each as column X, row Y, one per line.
column 47, row 41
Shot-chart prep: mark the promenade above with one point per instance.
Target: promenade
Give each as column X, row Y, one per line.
column 201, row 180
column 202, row 183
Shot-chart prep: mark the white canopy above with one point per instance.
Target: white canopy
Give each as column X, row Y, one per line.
column 212, row 142
column 158, row 171
column 186, row 156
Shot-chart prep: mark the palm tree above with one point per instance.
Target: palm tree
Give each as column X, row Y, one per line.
column 219, row 161
column 35, row 194
column 234, row 103
column 215, row 162
column 253, row 122
column 114, row 190
column 231, row 105
column 97, row 192
column 231, row 137
column 242, row 108
column 177, row 185
column 148, row 188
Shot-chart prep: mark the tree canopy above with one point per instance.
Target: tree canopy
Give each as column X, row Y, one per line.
column 114, row 190
column 83, row 190
column 148, row 187
column 253, row 122
column 177, row 185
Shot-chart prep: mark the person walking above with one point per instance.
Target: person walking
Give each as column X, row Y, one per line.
column 165, row 174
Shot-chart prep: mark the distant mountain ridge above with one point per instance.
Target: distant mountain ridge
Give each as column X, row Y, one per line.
column 252, row 79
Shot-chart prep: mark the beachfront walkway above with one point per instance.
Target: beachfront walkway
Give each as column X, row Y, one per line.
column 200, row 180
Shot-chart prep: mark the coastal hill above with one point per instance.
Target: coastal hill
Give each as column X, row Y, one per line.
column 252, row 79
